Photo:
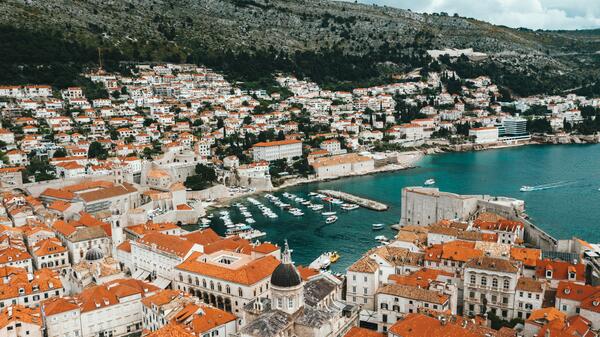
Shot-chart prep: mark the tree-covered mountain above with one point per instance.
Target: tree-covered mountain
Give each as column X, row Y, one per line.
column 332, row 42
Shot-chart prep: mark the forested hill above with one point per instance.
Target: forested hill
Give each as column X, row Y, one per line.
column 332, row 42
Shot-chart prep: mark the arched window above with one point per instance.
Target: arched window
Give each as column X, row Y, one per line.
column 494, row 283
column 227, row 289
column 384, row 306
column 240, row 293
column 472, row 279
column 506, row 284
column 197, row 281
column 204, row 283
column 189, row 279
column 396, row 308
column 484, row 281
column 212, row 285
column 219, row 288
column 180, row 277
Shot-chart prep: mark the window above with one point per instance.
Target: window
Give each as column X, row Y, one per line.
column 472, row 279
column 384, row 306
column 384, row 318
column 484, row 281
column 506, row 284
column 495, row 282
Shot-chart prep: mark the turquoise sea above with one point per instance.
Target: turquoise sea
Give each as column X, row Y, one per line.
column 571, row 209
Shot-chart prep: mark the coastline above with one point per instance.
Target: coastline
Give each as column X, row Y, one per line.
column 417, row 154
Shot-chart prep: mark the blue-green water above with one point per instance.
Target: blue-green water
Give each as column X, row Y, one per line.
column 572, row 209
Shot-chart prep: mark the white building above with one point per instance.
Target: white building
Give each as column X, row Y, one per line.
column 490, row 283
column 281, row 149
column 342, row 165
column 18, row 321
column 484, row 135
column 112, row 309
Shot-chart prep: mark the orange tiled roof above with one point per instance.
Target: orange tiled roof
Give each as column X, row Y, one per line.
column 560, row 269
column 168, row 243
column 251, row 273
column 362, row 332
column 18, row 313
column 210, row 319
column 172, row 330
column 528, row 256
column 417, row 325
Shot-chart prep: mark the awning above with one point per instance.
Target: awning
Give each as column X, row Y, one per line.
column 162, row 283
column 140, row 274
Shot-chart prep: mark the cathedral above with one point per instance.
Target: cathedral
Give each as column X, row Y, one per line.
column 298, row 307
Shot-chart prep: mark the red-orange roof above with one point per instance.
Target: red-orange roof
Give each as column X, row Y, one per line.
column 278, row 143
column 248, row 274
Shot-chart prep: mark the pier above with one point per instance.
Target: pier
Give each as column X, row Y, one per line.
column 363, row 202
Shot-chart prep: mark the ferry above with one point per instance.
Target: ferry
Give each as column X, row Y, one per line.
column 349, row 207
column 377, row 226
column 429, row 182
column 331, row 219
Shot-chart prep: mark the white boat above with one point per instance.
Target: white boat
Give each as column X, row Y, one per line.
column 252, row 234
column 250, row 220
column 331, row 219
column 349, row 207
column 321, row 262
column 429, row 182
column 527, row 188
column 316, row 207
column 329, row 213
column 377, row 226
column 381, row 238
column 312, row 194
column 337, row 201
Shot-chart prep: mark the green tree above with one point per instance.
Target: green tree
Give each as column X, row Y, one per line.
column 96, row 150
column 61, row 152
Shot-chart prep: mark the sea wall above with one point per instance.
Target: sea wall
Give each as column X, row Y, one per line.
column 535, row 236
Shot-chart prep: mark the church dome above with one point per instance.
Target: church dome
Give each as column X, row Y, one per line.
column 94, row 254
column 285, row 276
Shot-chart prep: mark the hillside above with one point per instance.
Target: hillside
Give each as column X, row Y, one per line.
column 332, row 41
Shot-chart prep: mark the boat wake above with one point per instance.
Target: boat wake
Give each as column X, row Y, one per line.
column 545, row 186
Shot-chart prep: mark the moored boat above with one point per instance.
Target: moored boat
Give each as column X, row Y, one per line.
column 377, row 226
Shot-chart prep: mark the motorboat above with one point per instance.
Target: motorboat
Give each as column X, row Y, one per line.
column 377, row 226
column 331, row 219
column 329, row 213
column 321, row 262
column 381, row 238
column 525, row 188
column 316, row 207
column 349, row 207
column 334, row 257
column 429, row 182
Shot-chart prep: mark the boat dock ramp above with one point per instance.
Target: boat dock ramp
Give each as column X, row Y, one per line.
column 363, row 202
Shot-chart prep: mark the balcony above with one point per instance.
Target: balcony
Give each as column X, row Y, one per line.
column 490, row 288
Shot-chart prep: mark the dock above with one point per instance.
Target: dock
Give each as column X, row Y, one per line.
column 363, row 202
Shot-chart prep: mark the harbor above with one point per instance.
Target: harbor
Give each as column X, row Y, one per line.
column 363, row 202
column 560, row 212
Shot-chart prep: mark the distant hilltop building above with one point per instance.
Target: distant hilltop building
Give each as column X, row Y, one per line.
column 453, row 52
